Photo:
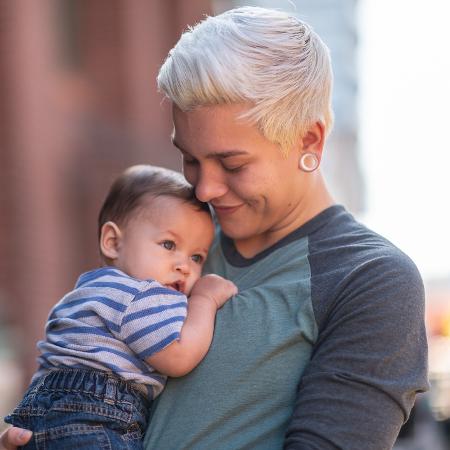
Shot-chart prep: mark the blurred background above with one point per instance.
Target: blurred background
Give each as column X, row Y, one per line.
column 78, row 104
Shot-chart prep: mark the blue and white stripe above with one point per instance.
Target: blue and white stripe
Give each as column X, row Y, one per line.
column 112, row 322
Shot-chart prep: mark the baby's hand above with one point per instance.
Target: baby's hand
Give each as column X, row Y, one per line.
column 215, row 288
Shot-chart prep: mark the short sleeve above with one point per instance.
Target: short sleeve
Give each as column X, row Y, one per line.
column 369, row 362
column 153, row 319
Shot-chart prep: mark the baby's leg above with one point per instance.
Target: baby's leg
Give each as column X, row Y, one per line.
column 82, row 410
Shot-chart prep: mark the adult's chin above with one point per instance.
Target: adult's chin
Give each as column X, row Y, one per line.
column 239, row 224
column 238, row 231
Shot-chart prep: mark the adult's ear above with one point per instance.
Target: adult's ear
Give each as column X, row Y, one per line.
column 110, row 236
column 313, row 140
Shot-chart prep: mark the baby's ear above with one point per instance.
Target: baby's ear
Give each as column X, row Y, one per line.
column 110, row 236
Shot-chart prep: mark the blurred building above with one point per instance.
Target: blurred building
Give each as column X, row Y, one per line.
column 78, row 105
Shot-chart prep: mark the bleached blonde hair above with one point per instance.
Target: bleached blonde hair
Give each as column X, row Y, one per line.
column 264, row 57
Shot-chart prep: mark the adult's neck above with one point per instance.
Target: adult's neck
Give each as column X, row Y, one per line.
column 315, row 199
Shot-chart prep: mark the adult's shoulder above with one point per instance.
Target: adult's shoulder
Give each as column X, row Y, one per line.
column 344, row 245
column 351, row 263
column 370, row 356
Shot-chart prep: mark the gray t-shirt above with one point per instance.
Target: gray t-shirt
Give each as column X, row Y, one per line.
column 324, row 347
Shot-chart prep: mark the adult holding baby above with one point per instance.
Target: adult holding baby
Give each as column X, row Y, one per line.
column 324, row 346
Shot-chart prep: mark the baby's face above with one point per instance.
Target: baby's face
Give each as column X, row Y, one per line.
column 167, row 241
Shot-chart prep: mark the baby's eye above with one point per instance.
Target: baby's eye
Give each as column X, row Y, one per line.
column 168, row 245
column 197, row 259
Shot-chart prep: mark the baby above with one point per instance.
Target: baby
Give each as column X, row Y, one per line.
column 147, row 314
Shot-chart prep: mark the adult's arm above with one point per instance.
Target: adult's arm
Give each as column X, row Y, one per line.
column 369, row 362
column 13, row 437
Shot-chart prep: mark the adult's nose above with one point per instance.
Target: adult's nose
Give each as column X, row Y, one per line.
column 209, row 185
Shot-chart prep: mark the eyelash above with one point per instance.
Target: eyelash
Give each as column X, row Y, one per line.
column 170, row 243
column 200, row 261
column 227, row 169
column 189, row 162
column 232, row 169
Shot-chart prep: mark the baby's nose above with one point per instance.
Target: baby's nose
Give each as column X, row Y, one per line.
column 182, row 266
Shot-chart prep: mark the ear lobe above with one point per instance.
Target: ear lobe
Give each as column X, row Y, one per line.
column 110, row 237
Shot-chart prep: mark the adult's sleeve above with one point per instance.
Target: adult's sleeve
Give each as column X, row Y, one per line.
column 369, row 361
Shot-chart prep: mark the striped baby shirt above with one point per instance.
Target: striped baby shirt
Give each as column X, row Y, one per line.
column 112, row 322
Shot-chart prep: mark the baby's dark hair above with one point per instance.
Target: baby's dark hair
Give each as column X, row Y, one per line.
column 125, row 196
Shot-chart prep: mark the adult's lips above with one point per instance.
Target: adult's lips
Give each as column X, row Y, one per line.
column 226, row 209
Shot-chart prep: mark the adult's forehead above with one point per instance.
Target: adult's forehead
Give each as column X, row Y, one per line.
column 220, row 115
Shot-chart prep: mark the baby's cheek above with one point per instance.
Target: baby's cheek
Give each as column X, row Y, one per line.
column 199, row 273
column 193, row 279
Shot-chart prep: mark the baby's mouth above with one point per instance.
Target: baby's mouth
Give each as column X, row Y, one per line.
column 177, row 286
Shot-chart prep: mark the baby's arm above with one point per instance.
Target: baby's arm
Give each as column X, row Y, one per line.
column 180, row 357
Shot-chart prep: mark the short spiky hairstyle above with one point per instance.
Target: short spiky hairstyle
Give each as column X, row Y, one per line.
column 126, row 195
column 267, row 58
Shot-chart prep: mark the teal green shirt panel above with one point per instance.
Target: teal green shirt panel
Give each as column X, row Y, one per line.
column 242, row 394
